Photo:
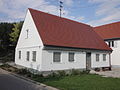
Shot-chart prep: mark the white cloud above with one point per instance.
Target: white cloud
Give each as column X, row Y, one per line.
column 16, row 9
column 68, row 2
column 107, row 11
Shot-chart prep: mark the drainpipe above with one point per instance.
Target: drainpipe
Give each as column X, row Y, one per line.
column 110, row 61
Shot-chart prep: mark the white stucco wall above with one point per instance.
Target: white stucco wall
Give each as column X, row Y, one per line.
column 115, row 56
column 99, row 63
column 48, row 64
column 79, row 63
column 32, row 43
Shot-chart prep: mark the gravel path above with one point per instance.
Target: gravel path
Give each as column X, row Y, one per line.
column 114, row 73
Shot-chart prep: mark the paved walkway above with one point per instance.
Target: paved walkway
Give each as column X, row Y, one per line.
column 114, row 73
column 11, row 82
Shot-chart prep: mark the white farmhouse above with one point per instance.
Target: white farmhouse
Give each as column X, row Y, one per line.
column 48, row 42
column 111, row 35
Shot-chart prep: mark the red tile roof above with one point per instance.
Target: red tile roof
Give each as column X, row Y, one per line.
column 56, row 31
column 109, row 31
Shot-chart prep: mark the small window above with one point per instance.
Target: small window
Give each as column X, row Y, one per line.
column 97, row 57
column 109, row 44
column 56, row 56
column 71, row 57
column 34, row 55
column 19, row 54
column 112, row 43
column 28, row 55
column 104, row 57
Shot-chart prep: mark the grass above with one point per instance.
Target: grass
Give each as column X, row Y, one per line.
column 82, row 82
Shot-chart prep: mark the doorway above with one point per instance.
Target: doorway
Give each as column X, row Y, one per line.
column 88, row 60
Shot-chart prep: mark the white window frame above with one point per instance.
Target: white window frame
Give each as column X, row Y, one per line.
column 97, row 57
column 57, row 58
column 104, row 57
column 34, row 55
column 71, row 57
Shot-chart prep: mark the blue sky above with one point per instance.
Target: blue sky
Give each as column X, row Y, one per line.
column 92, row 12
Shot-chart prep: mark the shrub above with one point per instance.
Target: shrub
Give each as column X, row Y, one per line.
column 61, row 73
column 85, row 72
column 5, row 65
column 23, row 71
column 75, row 72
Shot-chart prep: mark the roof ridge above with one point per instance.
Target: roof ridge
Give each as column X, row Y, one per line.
column 107, row 24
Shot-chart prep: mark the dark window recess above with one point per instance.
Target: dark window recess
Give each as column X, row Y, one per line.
column 112, row 43
column 109, row 44
column 28, row 55
column 19, row 54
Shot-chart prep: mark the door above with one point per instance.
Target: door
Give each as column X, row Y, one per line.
column 88, row 61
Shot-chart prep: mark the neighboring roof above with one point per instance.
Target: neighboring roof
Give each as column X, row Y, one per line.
column 56, row 31
column 109, row 31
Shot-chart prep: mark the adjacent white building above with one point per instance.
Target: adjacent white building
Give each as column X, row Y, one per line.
column 49, row 42
column 111, row 35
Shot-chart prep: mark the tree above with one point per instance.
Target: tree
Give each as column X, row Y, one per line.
column 15, row 32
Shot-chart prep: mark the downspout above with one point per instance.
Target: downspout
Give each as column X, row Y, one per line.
column 110, row 61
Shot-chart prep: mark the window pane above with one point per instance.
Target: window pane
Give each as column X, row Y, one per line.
column 104, row 57
column 109, row 44
column 28, row 55
column 71, row 57
column 19, row 54
column 97, row 57
column 112, row 43
column 34, row 55
column 56, row 56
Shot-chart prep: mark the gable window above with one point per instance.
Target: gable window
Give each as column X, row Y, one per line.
column 56, row 56
column 97, row 57
column 19, row 54
column 34, row 55
column 71, row 57
column 104, row 57
column 28, row 55
column 27, row 33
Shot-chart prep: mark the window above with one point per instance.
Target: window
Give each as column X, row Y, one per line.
column 28, row 55
column 71, row 57
column 34, row 55
column 27, row 33
column 109, row 44
column 104, row 57
column 112, row 43
column 56, row 56
column 97, row 57
column 19, row 54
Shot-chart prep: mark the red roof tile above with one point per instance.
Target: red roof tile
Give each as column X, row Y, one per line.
column 109, row 31
column 63, row 32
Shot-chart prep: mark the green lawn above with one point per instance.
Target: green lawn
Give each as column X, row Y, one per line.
column 83, row 82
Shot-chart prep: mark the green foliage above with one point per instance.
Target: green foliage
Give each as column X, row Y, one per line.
column 15, row 32
column 23, row 71
column 62, row 73
column 75, row 72
column 5, row 30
